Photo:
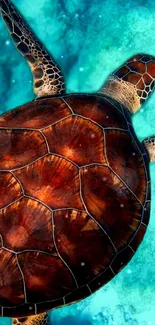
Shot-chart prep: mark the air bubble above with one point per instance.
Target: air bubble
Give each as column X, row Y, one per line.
column 82, row 264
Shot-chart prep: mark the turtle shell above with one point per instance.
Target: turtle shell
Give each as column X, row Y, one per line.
column 74, row 200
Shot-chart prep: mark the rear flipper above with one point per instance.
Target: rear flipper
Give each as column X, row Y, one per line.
column 133, row 82
column 41, row 319
column 149, row 144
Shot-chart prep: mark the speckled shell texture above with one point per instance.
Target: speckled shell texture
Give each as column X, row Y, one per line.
column 74, row 200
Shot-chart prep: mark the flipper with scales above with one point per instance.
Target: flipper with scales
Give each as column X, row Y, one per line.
column 48, row 79
column 41, row 319
column 131, row 85
column 150, row 147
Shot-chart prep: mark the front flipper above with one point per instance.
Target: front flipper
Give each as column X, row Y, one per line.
column 132, row 83
column 48, row 79
column 149, row 144
column 41, row 319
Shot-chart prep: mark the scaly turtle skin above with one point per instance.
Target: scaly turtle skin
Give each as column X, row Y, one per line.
column 74, row 184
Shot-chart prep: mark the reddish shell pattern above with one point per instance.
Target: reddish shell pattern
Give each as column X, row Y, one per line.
column 74, row 200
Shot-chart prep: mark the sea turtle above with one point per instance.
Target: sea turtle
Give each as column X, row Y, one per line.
column 74, row 183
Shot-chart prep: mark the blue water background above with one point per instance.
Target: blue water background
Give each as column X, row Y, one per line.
column 89, row 39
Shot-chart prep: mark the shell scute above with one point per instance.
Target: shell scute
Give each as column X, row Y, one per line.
column 11, row 282
column 10, row 189
column 20, row 147
column 27, row 225
column 110, row 203
column 122, row 259
column 75, row 235
column 127, row 161
column 52, row 180
column 101, row 110
column 101, row 279
column 138, row 237
column 36, row 115
column 77, row 139
column 43, row 277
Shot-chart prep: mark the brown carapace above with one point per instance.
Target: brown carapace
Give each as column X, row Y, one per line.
column 74, row 183
column 74, row 199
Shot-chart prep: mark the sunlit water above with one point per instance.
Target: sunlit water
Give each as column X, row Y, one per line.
column 89, row 39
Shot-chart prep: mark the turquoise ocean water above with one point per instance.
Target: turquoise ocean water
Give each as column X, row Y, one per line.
column 89, row 39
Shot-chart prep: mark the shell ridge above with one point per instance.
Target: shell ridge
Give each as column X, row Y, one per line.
column 68, row 106
column 19, row 182
column 54, row 123
column 120, row 178
column 13, row 202
column 27, row 251
column 29, row 164
column 146, row 174
column 24, row 284
column 47, row 145
column 114, row 248
column 57, row 250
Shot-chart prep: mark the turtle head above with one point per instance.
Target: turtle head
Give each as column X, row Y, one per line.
column 133, row 82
